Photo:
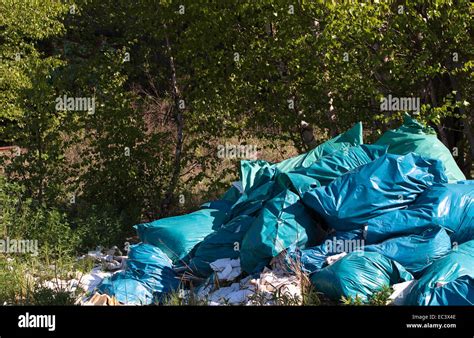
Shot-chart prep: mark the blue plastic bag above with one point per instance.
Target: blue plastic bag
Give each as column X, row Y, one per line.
column 412, row 136
column 283, row 222
column 359, row 274
column 223, row 243
column 177, row 236
column 389, row 183
column 448, row 281
column 415, row 252
column 146, row 279
column 328, row 168
column 448, row 205
column 459, row 292
column 352, row 137
column 313, row 259
column 252, row 201
column 254, row 173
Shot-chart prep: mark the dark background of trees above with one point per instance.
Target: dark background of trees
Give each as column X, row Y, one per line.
column 173, row 79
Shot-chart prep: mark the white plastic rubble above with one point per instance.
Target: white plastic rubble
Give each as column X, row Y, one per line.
column 226, row 269
column 333, row 259
column 400, row 292
column 250, row 291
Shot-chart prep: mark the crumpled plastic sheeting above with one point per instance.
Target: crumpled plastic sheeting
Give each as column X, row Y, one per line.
column 147, row 278
column 415, row 252
column 448, row 281
column 283, row 222
column 448, row 205
column 358, row 274
column 177, row 236
column 391, row 182
column 313, row 259
column 351, row 137
column 412, row 136
column 328, row 168
column 222, row 243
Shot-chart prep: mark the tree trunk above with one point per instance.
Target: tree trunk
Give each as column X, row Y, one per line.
column 434, row 103
column 178, row 116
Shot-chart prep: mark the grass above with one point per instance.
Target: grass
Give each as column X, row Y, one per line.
column 379, row 298
column 22, row 280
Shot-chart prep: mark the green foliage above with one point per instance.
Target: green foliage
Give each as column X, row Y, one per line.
column 356, row 301
column 25, row 219
column 33, row 282
column 382, row 296
column 378, row 298
column 170, row 86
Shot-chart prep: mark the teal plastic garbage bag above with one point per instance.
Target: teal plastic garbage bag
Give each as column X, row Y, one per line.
column 448, row 205
column 147, row 278
column 412, row 136
column 326, row 169
column 459, row 292
column 254, row 173
column 359, row 274
column 258, row 176
column 252, row 201
column 221, row 205
column 283, row 221
column 232, row 194
column 417, row 251
column 388, row 183
column 351, row 137
column 448, row 281
column 223, row 243
column 313, row 259
column 176, row 236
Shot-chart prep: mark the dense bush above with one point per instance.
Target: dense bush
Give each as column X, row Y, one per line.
column 173, row 80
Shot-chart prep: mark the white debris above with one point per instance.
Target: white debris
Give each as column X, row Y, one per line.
column 91, row 280
column 334, row 258
column 400, row 292
column 226, row 269
column 265, row 290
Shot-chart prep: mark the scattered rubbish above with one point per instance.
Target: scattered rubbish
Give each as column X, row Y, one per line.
column 226, row 269
column 270, row 288
column 347, row 220
column 102, row 299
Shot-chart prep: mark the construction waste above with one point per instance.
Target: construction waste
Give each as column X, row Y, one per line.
column 343, row 221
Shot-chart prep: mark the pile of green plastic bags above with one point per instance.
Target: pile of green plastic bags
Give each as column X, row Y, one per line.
column 402, row 200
